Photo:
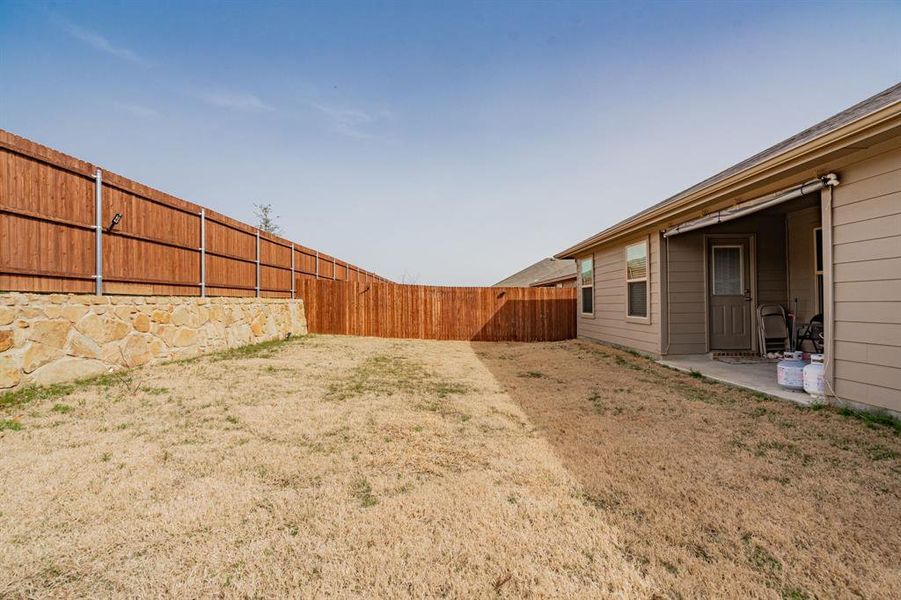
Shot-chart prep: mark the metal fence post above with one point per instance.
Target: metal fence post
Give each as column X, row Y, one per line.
column 334, row 269
column 258, row 263
column 317, row 264
column 202, row 252
column 98, row 233
column 292, row 270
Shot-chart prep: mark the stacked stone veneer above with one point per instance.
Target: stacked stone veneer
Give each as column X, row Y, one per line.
column 56, row 337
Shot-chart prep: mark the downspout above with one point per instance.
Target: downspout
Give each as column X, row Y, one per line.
column 669, row 332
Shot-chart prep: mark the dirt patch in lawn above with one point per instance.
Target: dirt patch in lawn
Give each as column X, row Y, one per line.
column 325, row 466
column 715, row 491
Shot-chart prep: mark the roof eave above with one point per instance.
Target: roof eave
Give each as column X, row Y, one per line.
column 878, row 119
column 556, row 279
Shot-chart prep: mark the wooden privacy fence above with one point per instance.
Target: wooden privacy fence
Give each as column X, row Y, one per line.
column 57, row 235
column 439, row 313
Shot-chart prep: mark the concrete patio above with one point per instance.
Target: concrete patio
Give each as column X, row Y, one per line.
column 755, row 376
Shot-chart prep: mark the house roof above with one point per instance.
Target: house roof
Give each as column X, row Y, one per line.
column 546, row 270
column 874, row 104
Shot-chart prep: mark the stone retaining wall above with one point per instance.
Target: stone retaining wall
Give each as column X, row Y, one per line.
column 50, row 338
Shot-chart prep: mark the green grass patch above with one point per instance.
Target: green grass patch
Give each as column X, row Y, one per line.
column 387, row 375
column 532, row 375
column 443, row 389
column 872, row 418
column 760, row 558
column 602, row 501
column 794, row 593
column 362, row 491
column 57, row 391
column 61, row 408
column 786, row 449
column 154, row 391
column 260, row 350
column 880, row 452
column 10, row 425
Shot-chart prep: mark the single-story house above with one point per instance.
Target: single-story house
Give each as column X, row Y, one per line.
column 547, row 272
column 812, row 224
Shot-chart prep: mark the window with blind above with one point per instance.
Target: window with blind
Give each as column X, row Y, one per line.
column 586, row 282
column 637, row 280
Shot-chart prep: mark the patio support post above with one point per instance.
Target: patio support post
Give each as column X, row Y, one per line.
column 828, row 288
column 292, row 270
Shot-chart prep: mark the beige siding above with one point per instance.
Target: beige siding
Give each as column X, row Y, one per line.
column 867, row 273
column 609, row 323
column 801, row 262
column 687, row 285
column 687, row 315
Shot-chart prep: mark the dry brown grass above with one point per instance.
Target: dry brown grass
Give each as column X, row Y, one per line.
column 716, row 492
column 334, row 466
column 325, row 467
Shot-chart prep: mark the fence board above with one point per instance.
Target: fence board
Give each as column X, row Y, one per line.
column 47, row 236
column 438, row 313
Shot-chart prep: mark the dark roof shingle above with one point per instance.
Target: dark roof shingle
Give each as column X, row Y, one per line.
column 546, row 269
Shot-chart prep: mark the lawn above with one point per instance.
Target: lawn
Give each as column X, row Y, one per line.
column 338, row 466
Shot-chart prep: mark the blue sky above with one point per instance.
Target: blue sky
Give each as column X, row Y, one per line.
column 448, row 143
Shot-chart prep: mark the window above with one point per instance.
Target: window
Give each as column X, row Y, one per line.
column 637, row 280
column 727, row 271
column 818, row 265
column 586, row 282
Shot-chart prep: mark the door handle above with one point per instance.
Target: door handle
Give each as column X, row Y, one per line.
column 748, row 295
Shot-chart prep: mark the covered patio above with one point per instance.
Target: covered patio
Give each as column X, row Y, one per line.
column 757, row 376
column 722, row 268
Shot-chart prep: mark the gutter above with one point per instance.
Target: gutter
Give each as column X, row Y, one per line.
column 753, row 206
